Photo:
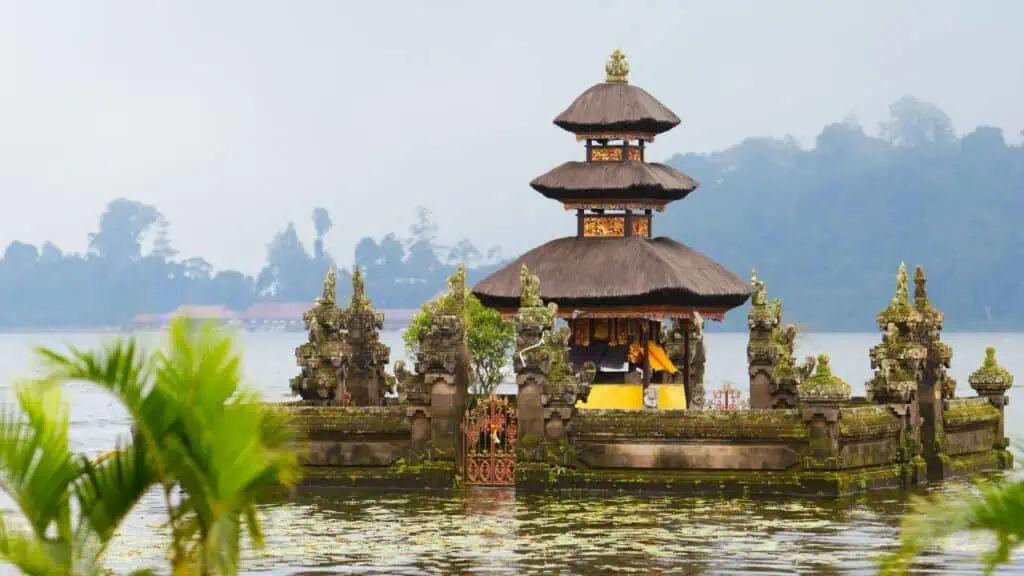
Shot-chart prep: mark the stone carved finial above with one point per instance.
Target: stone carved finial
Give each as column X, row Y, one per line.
column 330, row 287
column 902, row 287
column 824, row 386
column 991, row 380
column 920, row 288
column 457, row 286
column 359, row 299
column 529, row 286
column 760, row 297
column 617, row 68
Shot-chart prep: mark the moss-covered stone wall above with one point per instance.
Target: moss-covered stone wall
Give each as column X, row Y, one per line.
column 338, row 423
column 767, row 426
column 969, row 412
column 869, row 422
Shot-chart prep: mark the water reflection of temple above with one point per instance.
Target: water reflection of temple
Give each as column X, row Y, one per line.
column 615, row 283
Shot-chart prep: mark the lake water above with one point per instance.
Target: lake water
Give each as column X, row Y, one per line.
column 496, row 531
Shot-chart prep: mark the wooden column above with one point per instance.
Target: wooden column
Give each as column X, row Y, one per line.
column 686, row 359
column 579, row 222
column 644, row 339
column 627, row 225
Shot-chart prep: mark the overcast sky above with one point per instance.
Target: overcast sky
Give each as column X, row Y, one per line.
column 233, row 117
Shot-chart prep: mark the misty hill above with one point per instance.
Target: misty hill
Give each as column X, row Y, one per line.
column 826, row 228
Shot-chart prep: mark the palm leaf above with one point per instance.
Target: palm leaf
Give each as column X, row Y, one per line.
column 36, row 466
column 108, row 491
column 33, row 555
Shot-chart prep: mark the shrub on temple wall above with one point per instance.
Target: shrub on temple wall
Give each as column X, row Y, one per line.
column 490, row 339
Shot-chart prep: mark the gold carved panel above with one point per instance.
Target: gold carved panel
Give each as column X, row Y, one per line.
column 600, row 154
column 613, row 153
column 604, row 226
column 642, row 226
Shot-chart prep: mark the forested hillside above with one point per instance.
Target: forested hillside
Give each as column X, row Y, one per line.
column 826, row 227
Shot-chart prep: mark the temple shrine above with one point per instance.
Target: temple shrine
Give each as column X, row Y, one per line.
column 614, row 282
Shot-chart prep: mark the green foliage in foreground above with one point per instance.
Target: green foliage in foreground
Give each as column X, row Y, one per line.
column 996, row 509
column 209, row 444
column 490, row 339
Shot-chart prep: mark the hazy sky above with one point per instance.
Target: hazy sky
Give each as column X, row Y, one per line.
column 233, row 117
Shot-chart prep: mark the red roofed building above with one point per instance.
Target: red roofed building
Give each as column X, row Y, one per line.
column 275, row 315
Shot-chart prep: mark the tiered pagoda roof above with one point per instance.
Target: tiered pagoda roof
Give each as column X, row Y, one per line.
column 614, row 266
column 596, row 183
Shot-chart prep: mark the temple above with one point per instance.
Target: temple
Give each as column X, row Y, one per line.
column 634, row 303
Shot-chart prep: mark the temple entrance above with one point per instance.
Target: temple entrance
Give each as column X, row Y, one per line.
column 490, row 432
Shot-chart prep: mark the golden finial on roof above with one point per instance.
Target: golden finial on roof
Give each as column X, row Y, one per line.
column 617, row 68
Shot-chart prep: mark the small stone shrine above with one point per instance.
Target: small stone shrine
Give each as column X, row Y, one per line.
column 343, row 361
column 899, row 358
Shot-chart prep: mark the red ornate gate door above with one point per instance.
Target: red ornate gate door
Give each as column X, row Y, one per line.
column 489, row 436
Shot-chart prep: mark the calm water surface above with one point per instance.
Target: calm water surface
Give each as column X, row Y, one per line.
column 495, row 531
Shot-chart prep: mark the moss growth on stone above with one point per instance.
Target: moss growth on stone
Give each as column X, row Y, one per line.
column 351, row 420
column 831, row 483
column 989, row 460
column 868, row 421
column 399, row 476
column 823, row 385
column 965, row 412
column 683, row 424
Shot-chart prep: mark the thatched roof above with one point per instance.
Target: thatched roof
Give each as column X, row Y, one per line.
column 614, row 181
column 632, row 271
column 616, row 107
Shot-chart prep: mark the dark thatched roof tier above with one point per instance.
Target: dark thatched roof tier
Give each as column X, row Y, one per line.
column 612, row 272
column 616, row 107
column 614, row 181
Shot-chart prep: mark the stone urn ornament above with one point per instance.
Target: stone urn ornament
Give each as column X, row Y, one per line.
column 824, row 387
column 991, row 380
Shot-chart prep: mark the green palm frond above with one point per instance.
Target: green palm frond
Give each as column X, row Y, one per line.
column 33, row 555
column 108, row 491
column 36, row 465
column 195, row 427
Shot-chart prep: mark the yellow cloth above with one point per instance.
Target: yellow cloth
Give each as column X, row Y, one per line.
column 659, row 359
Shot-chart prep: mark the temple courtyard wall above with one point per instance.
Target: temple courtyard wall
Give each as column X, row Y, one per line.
column 811, row 438
column 812, row 452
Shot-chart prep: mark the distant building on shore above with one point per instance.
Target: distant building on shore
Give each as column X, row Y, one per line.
column 274, row 316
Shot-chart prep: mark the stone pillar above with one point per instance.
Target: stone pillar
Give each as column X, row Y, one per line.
column 991, row 381
column 436, row 393
column 412, row 392
column 531, row 362
column 684, row 346
column 548, row 386
column 762, row 350
column 820, row 398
